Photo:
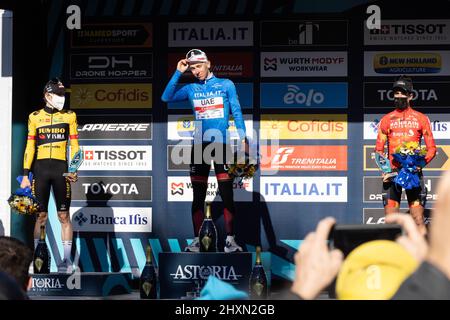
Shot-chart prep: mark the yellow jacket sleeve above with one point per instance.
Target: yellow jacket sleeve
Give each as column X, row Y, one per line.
column 28, row 156
column 73, row 135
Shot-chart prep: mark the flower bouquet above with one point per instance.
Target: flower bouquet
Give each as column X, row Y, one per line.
column 22, row 200
column 411, row 157
column 243, row 167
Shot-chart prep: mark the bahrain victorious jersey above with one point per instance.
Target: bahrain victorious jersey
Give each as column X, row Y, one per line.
column 211, row 101
column 401, row 126
column 49, row 130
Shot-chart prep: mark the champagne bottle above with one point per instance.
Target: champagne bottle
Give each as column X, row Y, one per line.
column 258, row 279
column 41, row 258
column 148, row 281
column 208, row 232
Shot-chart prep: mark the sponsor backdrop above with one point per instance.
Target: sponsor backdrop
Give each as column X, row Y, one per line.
column 299, row 87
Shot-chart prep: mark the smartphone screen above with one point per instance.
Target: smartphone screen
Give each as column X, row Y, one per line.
column 348, row 237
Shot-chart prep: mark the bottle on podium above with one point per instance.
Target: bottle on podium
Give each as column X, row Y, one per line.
column 148, row 280
column 258, row 279
column 41, row 258
column 208, row 232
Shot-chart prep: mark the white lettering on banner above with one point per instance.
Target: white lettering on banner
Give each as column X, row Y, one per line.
column 422, row 94
column 440, row 124
column 110, row 188
column 115, row 127
column 295, row 95
column 111, row 219
column 179, row 189
column 304, row 189
column 225, row 33
column 195, row 272
column 304, row 64
column 136, row 157
column 400, row 32
column 211, row 108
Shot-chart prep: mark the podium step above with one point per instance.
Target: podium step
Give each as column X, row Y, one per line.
column 95, row 284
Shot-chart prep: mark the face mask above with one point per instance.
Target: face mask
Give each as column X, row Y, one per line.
column 400, row 103
column 57, row 102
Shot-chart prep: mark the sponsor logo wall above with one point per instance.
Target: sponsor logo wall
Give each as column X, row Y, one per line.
column 304, row 64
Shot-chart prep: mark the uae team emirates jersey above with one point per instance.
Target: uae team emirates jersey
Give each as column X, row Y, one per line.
column 212, row 100
column 401, row 126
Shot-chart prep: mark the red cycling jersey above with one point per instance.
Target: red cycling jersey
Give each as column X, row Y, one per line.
column 401, row 126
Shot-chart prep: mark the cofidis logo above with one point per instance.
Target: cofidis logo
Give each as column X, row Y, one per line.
column 304, row 126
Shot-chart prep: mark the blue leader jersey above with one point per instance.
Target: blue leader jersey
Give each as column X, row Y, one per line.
column 211, row 101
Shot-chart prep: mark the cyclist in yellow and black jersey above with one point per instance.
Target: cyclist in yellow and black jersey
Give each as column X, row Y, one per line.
column 49, row 131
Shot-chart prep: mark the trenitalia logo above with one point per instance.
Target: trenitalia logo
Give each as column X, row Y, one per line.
column 106, row 96
column 303, row 158
column 308, row 126
column 180, row 189
column 117, row 158
column 407, row 63
column 181, row 127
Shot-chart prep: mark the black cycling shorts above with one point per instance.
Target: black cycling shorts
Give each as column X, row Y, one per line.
column 48, row 173
column 202, row 155
column 393, row 193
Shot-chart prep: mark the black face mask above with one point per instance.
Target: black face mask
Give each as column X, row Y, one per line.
column 401, row 103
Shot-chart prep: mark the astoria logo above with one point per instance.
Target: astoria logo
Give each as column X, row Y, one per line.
column 195, row 272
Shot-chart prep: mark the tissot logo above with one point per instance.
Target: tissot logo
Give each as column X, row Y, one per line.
column 399, row 32
column 196, row 272
column 303, row 33
column 128, row 157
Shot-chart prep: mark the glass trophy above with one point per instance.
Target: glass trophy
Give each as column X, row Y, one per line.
column 385, row 166
column 75, row 163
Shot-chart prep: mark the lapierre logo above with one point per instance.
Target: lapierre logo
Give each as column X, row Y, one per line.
column 307, row 189
column 117, row 158
column 236, row 33
column 197, row 272
column 111, row 219
column 409, row 32
column 114, row 127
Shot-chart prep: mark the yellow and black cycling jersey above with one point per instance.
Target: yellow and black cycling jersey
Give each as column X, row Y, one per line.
column 48, row 133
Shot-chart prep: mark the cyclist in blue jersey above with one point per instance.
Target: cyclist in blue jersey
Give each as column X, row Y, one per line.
column 212, row 100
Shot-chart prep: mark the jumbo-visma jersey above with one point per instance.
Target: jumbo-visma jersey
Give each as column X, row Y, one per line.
column 48, row 133
column 211, row 101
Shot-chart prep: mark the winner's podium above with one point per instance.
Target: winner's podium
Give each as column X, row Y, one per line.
column 182, row 273
column 93, row 284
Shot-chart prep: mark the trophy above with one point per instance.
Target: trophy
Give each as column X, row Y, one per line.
column 75, row 163
column 385, row 166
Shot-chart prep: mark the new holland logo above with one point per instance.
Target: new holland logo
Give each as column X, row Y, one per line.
column 404, row 62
